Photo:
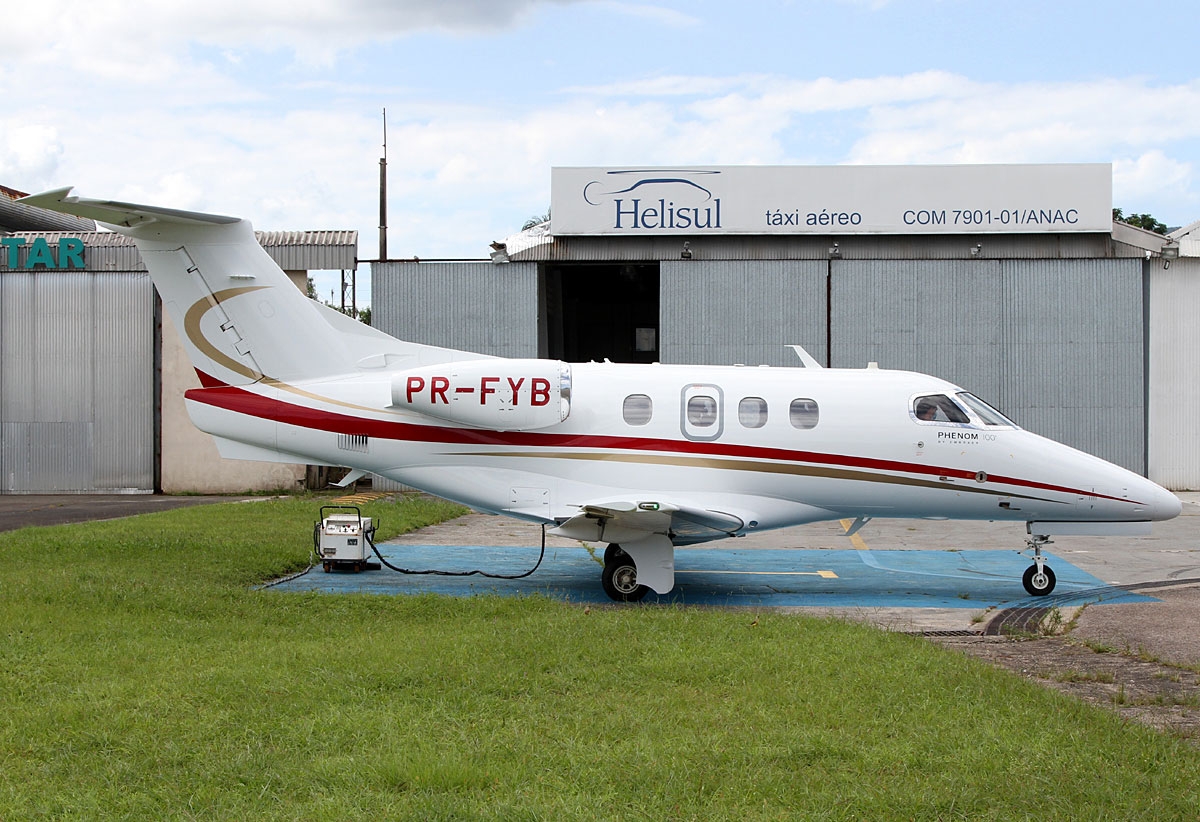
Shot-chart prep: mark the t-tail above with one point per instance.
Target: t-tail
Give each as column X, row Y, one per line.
column 241, row 319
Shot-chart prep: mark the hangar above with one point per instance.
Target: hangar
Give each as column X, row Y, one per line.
column 1012, row 280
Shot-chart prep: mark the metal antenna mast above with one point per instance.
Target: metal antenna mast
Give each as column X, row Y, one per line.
column 383, row 194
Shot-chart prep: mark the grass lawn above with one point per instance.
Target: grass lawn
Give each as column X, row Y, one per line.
column 143, row 676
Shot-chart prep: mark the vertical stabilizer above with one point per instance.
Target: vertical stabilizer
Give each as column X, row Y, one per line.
column 241, row 318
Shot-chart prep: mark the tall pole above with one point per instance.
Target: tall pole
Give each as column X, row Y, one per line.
column 383, row 194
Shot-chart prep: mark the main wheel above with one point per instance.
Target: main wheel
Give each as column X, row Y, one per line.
column 1036, row 584
column 613, row 552
column 619, row 580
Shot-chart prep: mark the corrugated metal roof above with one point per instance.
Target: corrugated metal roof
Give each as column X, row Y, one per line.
column 1137, row 237
column 323, row 238
column 291, row 250
column 16, row 217
column 1188, row 238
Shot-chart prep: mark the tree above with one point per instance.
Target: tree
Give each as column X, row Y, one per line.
column 1145, row 221
column 364, row 314
column 532, row 221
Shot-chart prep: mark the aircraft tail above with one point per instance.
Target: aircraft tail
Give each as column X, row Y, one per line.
column 241, row 318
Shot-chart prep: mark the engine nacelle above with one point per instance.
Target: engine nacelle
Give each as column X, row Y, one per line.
column 500, row 394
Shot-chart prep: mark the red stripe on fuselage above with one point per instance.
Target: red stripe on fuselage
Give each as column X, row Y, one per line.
column 242, row 401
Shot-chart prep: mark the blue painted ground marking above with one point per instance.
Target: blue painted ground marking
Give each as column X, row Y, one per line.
column 720, row 576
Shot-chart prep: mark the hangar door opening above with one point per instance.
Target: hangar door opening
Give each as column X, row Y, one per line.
column 594, row 311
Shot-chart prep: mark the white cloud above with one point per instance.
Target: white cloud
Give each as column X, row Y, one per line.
column 28, row 152
column 1155, row 177
column 1029, row 122
column 657, row 14
column 94, row 31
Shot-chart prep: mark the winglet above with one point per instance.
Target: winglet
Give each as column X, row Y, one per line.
column 808, row 359
column 119, row 214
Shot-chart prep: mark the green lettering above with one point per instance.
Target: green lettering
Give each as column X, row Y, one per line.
column 70, row 252
column 40, row 254
column 11, row 245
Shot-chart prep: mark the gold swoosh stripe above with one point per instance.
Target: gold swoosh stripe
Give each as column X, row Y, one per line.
column 763, row 467
column 191, row 326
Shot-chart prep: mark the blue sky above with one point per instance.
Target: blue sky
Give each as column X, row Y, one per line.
column 271, row 109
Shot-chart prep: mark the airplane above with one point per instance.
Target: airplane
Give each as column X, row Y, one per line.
column 642, row 457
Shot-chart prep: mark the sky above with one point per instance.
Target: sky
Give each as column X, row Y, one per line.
column 273, row 109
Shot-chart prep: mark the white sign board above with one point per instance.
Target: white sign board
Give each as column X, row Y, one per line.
column 966, row 199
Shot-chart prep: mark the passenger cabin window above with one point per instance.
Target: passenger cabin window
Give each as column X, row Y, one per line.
column 938, row 408
column 637, row 409
column 803, row 413
column 752, row 412
column 985, row 412
column 702, row 410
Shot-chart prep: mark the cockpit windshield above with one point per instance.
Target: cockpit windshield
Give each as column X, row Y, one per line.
column 938, row 408
column 985, row 412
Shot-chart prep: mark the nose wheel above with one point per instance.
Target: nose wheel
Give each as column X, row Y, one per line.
column 1038, row 578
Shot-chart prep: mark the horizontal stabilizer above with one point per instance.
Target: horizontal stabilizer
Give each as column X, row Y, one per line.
column 116, row 213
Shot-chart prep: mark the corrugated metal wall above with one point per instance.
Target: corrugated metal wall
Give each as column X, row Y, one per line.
column 480, row 307
column 1055, row 344
column 722, row 313
column 1058, row 344
column 1174, row 402
column 76, row 404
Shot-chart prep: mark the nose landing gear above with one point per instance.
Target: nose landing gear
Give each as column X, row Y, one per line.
column 1038, row 578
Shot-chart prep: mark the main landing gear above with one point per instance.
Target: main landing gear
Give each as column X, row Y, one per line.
column 619, row 577
column 1038, row 579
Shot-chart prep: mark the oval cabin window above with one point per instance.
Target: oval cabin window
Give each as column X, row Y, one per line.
column 637, row 409
column 803, row 413
column 702, row 410
column 752, row 412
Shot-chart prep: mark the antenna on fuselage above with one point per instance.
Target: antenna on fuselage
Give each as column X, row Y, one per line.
column 806, row 358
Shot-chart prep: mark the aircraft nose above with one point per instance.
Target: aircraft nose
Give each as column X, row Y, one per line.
column 1161, row 504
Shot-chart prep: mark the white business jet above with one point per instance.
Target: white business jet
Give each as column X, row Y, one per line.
column 641, row 457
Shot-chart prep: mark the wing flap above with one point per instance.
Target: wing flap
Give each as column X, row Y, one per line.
column 627, row 521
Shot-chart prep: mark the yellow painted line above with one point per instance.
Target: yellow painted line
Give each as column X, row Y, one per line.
column 365, row 496
column 855, row 539
column 821, row 574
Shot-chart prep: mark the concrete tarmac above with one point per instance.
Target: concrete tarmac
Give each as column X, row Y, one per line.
column 24, row 510
column 1165, row 566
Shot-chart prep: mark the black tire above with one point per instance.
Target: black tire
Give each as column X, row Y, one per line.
column 1038, row 585
column 327, row 566
column 613, row 552
column 619, row 580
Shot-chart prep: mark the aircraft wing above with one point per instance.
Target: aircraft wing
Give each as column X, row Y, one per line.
column 630, row 521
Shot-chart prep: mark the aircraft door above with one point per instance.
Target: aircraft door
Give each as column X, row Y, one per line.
column 701, row 412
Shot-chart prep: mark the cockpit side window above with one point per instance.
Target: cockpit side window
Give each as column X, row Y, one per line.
column 938, row 408
column 981, row 409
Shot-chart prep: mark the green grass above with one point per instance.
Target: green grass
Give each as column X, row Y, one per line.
column 142, row 676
